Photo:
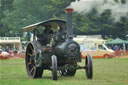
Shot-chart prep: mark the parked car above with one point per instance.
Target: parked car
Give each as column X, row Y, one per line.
column 3, row 53
column 99, row 51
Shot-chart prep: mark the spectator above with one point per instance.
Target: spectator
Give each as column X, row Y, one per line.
column 117, row 51
column 115, row 47
column 7, row 49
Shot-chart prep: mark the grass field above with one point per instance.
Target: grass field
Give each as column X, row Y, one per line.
column 106, row 72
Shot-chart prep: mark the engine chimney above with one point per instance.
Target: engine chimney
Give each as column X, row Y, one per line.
column 69, row 22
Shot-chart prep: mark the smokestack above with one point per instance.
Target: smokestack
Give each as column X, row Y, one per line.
column 69, row 28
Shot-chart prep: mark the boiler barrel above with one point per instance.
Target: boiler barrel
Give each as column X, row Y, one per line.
column 67, row 48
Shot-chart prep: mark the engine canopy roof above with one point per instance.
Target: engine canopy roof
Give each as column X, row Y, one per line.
column 50, row 22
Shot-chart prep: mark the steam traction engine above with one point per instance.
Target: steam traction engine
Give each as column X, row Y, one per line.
column 53, row 48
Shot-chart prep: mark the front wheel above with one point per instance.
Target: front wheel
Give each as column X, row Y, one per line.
column 89, row 67
column 106, row 56
column 54, row 67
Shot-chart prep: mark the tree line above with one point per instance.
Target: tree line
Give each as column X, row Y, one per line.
column 15, row 14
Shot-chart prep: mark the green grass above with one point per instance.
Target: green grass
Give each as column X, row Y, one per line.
column 106, row 72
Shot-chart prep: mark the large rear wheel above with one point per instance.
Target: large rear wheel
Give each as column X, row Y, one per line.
column 89, row 67
column 32, row 70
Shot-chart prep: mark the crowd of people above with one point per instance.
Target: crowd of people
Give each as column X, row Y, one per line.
column 8, row 49
column 7, row 52
column 118, row 50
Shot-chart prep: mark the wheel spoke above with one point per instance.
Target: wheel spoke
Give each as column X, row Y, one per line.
column 29, row 63
column 29, row 54
column 31, row 48
column 32, row 69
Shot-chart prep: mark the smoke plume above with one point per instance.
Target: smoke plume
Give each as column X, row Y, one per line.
column 118, row 9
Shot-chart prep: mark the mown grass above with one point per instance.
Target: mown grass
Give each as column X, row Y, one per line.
column 106, row 72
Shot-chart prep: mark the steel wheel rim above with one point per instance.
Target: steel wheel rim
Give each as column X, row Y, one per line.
column 30, row 62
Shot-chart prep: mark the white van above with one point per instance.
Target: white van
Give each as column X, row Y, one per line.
column 95, row 47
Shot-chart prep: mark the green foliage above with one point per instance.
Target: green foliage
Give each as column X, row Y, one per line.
column 15, row 14
column 29, row 12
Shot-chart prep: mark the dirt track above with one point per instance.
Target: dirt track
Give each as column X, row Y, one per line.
column 124, row 56
column 21, row 56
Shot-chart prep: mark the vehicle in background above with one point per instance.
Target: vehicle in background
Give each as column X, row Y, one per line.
column 3, row 53
column 99, row 51
column 94, row 46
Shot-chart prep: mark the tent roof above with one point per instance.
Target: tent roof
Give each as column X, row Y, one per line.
column 117, row 41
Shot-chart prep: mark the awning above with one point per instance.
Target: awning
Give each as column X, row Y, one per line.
column 117, row 41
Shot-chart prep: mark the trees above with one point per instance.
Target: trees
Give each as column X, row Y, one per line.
column 4, row 5
column 15, row 14
column 27, row 12
column 92, row 23
column 24, row 13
